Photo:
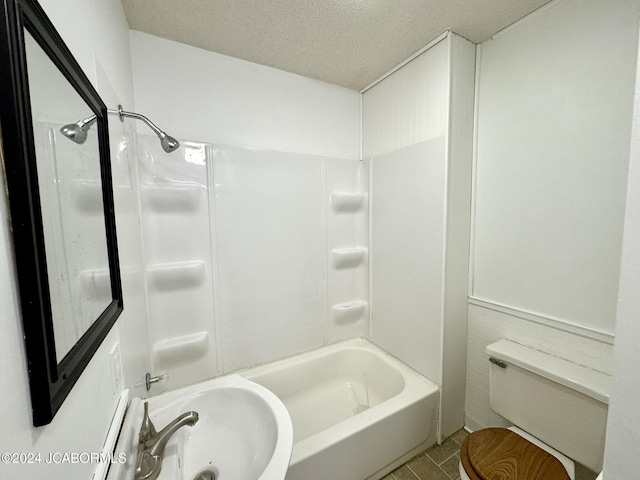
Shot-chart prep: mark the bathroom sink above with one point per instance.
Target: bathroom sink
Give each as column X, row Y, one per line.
column 244, row 432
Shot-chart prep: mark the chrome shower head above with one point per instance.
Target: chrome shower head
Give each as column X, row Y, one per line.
column 169, row 144
column 77, row 132
column 74, row 133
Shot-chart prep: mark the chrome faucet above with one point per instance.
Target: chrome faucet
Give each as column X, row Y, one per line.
column 151, row 444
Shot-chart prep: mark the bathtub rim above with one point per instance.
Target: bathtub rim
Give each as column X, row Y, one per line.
column 417, row 388
column 362, row 343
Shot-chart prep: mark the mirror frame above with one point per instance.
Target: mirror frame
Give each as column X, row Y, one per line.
column 50, row 381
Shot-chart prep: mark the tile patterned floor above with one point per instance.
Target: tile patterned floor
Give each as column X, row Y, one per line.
column 439, row 462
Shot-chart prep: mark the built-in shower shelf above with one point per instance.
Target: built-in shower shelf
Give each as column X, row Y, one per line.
column 181, row 350
column 87, row 195
column 348, row 257
column 347, row 201
column 349, row 311
column 172, row 198
column 96, row 283
column 172, row 276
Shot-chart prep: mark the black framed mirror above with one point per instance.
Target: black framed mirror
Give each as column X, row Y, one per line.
column 61, row 201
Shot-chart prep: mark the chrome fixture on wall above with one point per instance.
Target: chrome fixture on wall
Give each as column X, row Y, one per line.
column 149, row 380
column 77, row 132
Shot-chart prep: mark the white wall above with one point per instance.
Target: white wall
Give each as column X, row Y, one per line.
column 623, row 428
column 553, row 133
column 553, row 129
column 408, row 107
column 96, row 32
column 265, row 151
column 199, row 95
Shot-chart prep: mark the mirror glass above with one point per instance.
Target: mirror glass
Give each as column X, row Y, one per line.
column 69, row 182
column 55, row 148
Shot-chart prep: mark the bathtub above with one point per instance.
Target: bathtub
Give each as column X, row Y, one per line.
column 357, row 412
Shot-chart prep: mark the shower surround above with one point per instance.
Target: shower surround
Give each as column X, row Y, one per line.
column 288, row 205
column 251, row 256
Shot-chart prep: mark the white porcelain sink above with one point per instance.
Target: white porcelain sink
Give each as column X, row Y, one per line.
column 243, row 433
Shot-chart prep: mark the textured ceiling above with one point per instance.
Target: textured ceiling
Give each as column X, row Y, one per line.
column 345, row 42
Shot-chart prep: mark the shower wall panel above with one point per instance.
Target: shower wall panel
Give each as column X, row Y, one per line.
column 417, row 130
column 407, row 240
column 179, row 267
column 247, row 258
column 271, row 223
column 270, row 245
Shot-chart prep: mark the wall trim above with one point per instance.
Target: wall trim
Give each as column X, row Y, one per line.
column 474, row 169
column 557, row 323
column 432, row 43
column 108, row 449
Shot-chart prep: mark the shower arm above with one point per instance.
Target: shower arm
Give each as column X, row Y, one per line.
column 89, row 121
column 77, row 132
column 122, row 114
column 169, row 144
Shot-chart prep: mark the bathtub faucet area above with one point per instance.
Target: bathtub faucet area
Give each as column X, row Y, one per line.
column 151, row 444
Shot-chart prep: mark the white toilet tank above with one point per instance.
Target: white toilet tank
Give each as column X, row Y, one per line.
column 557, row 401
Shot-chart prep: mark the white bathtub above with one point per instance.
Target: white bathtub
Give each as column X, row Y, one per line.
column 357, row 412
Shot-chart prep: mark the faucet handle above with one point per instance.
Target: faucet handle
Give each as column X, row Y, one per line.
column 147, row 430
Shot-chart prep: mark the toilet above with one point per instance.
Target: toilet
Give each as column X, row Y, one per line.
column 558, row 412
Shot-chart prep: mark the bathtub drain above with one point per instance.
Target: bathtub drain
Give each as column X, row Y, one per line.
column 206, row 475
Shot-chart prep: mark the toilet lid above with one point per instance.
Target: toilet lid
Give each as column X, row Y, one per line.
column 500, row 454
